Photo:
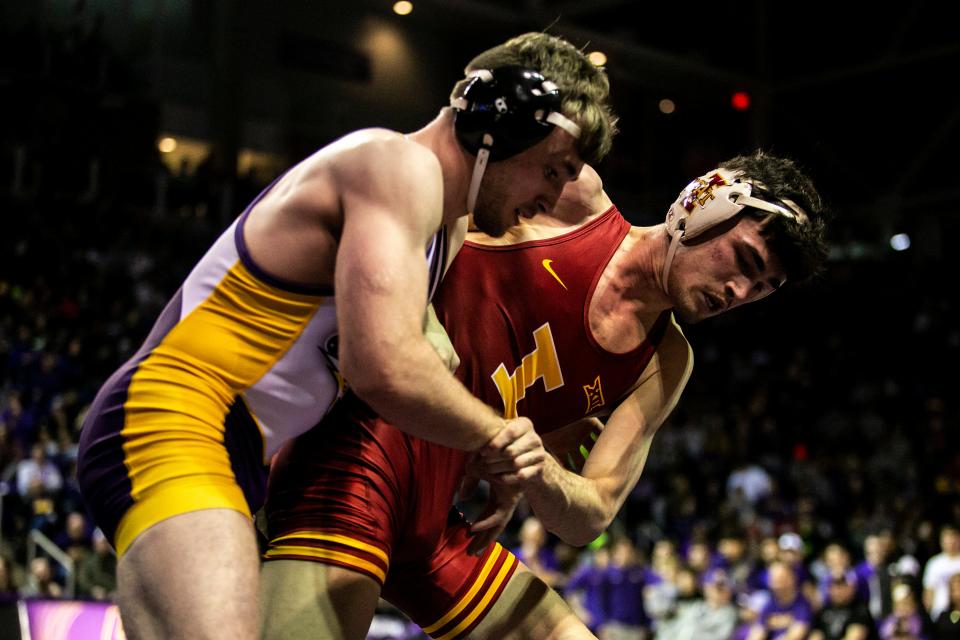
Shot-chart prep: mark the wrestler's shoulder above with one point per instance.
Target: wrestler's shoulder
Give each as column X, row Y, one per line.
column 378, row 149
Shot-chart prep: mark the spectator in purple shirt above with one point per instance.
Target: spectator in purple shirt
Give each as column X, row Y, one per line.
column 626, row 576
column 906, row 622
column 732, row 557
column 836, row 561
column 788, row 614
column 769, row 552
column 586, row 590
column 790, row 550
column 534, row 552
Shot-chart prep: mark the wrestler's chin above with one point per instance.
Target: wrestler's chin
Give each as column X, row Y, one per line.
column 493, row 225
column 687, row 315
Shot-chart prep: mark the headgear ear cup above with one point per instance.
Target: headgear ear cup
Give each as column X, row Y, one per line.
column 710, row 200
column 501, row 112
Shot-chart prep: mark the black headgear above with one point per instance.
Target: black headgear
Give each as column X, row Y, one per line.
column 508, row 109
column 501, row 112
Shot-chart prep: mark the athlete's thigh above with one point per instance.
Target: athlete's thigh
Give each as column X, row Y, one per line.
column 193, row 575
column 528, row 609
column 303, row 599
column 453, row 595
column 337, row 500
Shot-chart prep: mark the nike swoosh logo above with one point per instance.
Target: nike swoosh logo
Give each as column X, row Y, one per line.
column 546, row 265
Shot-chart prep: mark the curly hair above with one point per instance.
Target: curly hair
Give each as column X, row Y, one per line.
column 801, row 247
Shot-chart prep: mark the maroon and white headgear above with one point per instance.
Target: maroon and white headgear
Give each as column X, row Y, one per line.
column 712, row 199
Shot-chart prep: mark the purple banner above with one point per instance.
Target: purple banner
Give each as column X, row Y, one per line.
column 68, row 620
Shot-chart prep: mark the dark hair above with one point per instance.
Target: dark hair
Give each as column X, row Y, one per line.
column 801, row 248
column 584, row 87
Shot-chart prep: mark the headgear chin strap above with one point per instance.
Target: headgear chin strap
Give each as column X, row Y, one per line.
column 712, row 199
column 501, row 112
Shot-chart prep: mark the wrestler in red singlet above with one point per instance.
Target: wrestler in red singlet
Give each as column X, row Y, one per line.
column 360, row 494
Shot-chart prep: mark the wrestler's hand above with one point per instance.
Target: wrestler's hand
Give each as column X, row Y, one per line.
column 515, row 455
column 495, row 516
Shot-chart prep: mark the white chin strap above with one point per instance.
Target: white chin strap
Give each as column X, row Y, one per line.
column 479, row 167
column 671, row 251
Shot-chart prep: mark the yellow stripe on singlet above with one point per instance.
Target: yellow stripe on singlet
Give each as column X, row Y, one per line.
column 339, row 539
column 181, row 393
column 326, row 554
column 465, row 600
column 482, row 606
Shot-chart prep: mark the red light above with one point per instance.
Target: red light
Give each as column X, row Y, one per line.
column 740, row 100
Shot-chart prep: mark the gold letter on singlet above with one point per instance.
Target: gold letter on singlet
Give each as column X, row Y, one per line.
column 542, row 362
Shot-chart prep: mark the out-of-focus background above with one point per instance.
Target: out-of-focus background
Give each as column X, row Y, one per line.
column 133, row 131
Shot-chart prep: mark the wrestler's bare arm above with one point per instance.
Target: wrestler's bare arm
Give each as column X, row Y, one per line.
column 578, row 508
column 391, row 194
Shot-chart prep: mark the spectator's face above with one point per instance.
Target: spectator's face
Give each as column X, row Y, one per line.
column 533, row 533
column 698, row 556
column 686, row 582
column 904, row 606
column 769, row 549
column 875, row 549
column 40, row 568
column 662, row 551
column 841, row 592
column 718, row 593
column 836, row 558
column 668, row 569
column 783, row 583
column 601, row 558
column 623, row 553
column 950, row 541
column 731, row 548
column 76, row 526
column 790, row 556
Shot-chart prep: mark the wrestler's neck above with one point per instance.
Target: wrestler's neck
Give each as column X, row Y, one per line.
column 629, row 298
column 457, row 165
column 630, row 284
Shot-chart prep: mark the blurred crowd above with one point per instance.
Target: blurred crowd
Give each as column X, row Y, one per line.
column 808, row 485
column 731, row 588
